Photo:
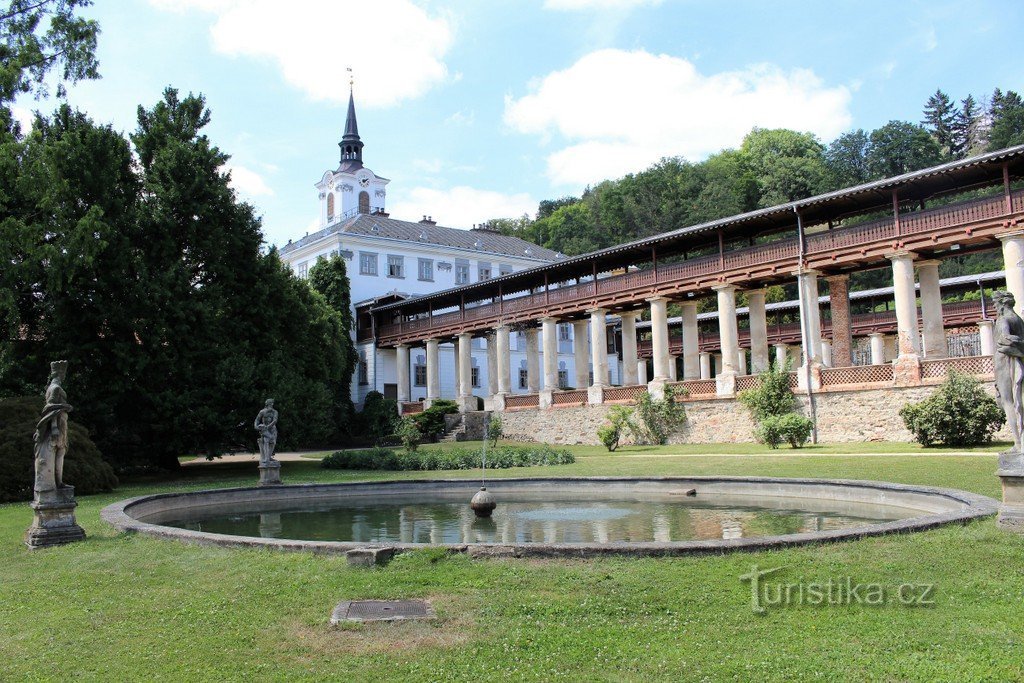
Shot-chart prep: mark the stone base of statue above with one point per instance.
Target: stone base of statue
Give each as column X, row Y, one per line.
column 1011, row 474
column 270, row 474
column 54, row 522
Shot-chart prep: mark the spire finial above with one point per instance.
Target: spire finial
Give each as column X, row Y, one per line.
column 351, row 78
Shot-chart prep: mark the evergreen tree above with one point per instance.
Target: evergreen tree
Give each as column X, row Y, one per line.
column 329, row 277
column 939, row 119
column 967, row 129
column 1007, row 120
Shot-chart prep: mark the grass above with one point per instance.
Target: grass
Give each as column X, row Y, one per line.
column 121, row 607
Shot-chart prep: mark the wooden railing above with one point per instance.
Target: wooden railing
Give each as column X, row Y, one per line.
column 856, row 375
column 622, row 394
column 576, row 397
column 767, row 258
column 412, row 407
column 513, row 401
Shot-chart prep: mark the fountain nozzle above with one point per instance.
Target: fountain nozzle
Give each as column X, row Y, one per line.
column 483, row 503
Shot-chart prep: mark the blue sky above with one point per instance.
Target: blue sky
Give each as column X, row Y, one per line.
column 481, row 108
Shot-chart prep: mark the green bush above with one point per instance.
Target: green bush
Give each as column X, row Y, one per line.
column 502, row 457
column 495, row 429
column 409, row 434
column 619, row 419
column 379, row 416
column 960, row 413
column 654, row 420
column 772, row 397
column 776, row 429
column 84, row 468
column 431, row 421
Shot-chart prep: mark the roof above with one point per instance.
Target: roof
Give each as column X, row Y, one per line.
column 929, row 182
column 483, row 241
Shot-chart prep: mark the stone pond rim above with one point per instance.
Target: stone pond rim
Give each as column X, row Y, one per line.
column 938, row 506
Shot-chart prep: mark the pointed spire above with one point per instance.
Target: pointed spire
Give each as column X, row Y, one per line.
column 351, row 145
column 351, row 127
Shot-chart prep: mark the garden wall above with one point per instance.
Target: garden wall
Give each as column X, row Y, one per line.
column 843, row 417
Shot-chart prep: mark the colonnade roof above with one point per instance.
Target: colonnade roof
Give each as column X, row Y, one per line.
column 952, row 177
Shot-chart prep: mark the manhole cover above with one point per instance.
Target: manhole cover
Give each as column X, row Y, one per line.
column 381, row 610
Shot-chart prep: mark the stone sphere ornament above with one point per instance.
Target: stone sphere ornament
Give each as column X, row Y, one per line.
column 483, row 503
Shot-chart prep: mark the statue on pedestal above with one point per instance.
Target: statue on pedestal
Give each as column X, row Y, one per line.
column 1008, row 361
column 53, row 501
column 266, row 425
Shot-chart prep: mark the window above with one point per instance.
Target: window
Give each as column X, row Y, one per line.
column 461, row 273
column 563, row 379
column 564, row 332
column 364, row 372
column 419, row 372
column 426, row 269
column 364, row 202
column 474, row 375
column 302, row 270
column 484, row 271
column 523, row 380
column 396, row 266
column 505, row 269
column 367, row 263
column 330, row 206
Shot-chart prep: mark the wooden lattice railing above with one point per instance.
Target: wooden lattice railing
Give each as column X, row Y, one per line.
column 744, row 382
column 858, row 374
column 696, row 388
column 938, row 368
column 618, row 394
column 513, row 401
column 577, row 397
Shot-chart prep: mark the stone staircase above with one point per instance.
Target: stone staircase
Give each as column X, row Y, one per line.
column 454, row 428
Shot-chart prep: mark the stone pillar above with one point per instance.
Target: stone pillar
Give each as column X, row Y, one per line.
column 659, row 339
column 598, row 355
column 877, row 342
column 629, row 360
column 890, row 346
column 673, row 368
column 467, row 402
column 492, row 363
column 781, row 356
column 741, row 362
column 1013, row 264
column 842, row 334
column 402, row 371
column 581, row 353
column 691, row 343
column 729, row 336
column 641, row 371
column 433, row 373
column 988, row 346
column 532, row 361
column 807, row 284
column 704, row 358
column 503, row 361
column 826, row 354
column 717, row 358
column 455, row 364
column 758, row 331
column 933, row 332
column 549, row 341
column 907, row 369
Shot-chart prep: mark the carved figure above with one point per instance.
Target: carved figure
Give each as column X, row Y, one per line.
column 1008, row 360
column 51, row 436
column 266, row 425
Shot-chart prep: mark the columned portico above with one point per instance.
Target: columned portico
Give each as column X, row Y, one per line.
column 465, row 365
column 598, row 355
column 433, row 373
column 532, row 361
column 659, row 345
column 549, row 339
column 842, row 333
column 1013, row 264
column 581, row 353
column 933, row 333
column 758, row 319
column 691, row 342
column 907, row 368
column 629, row 358
column 402, row 373
column 728, row 333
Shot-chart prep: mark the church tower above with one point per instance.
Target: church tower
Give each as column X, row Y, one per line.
column 351, row 189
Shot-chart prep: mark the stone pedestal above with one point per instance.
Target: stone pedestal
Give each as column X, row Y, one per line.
column 498, row 402
column 54, row 522
column 595, row 395
column 725, row 383
column 544, row 398
column 270, row 474
column 467, row 404
column 656, row 388
column 906, row 370
column 1011, row 474
column 815, row 377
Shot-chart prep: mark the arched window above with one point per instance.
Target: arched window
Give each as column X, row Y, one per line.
column 364, row 202
column 330, row 205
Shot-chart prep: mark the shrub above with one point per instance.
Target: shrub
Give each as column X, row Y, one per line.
column 431, row 421
column 655, row 419
column 379, row 416
column 960, row 413
column 619, row 418
column 502, row 457
column 409, row 433
column 495, row 430
column 84, row 467
column 772, row 397
column 791, row 427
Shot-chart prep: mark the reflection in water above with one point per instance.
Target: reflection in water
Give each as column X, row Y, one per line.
column 525, row 518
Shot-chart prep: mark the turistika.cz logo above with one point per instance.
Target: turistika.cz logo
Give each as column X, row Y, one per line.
column 835, row 592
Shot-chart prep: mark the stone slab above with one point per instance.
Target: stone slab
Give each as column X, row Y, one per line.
column 381, row 610
column 369, row 557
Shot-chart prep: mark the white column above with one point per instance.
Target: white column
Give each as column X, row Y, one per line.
column 581, row 353
column 691, row 344
column 673, row 368
column 501, row 333
column 704, row 358
column 465, row 362
column 717, row 358
column 659, row 338
column 729, row 337
column 402, row 370
column 781, row 356
column 532, row 361
column 826, row 354
column 1013, row 263
column 433, row 371
column 629, row 360
column 807, row 282
column 641, row 371
column 906, row 303
column 758, row 331
column 877, row 342
column 933, row 332
column 549, row 333
column 456, row 365
column 492, row 363
column 985, row 337
column 598, row 355
column 741, row 362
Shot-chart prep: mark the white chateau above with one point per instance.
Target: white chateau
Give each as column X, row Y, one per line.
column 391, row 259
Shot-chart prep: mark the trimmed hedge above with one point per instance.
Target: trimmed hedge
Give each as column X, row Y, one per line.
column 84, row 468
column 502, row 457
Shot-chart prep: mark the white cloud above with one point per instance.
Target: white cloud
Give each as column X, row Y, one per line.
column 573, row 5
column 248, row 182
column 461, row 206
column 622, row 111
column 395, row 48
column 24, row 117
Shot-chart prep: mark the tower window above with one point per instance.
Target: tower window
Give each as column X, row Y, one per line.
column 364, row 202
column 330, row 205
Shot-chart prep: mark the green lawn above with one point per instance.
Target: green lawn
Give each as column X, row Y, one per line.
column 126, row 607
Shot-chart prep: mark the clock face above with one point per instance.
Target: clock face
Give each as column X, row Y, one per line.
column 364, row 181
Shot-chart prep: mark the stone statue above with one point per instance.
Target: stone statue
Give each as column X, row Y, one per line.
column 1008, row 360
column 266, row 425
column 51, row 437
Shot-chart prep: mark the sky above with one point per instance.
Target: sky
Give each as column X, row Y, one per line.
column 478, row 109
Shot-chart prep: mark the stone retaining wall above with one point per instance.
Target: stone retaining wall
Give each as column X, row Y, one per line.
column 843, row 417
